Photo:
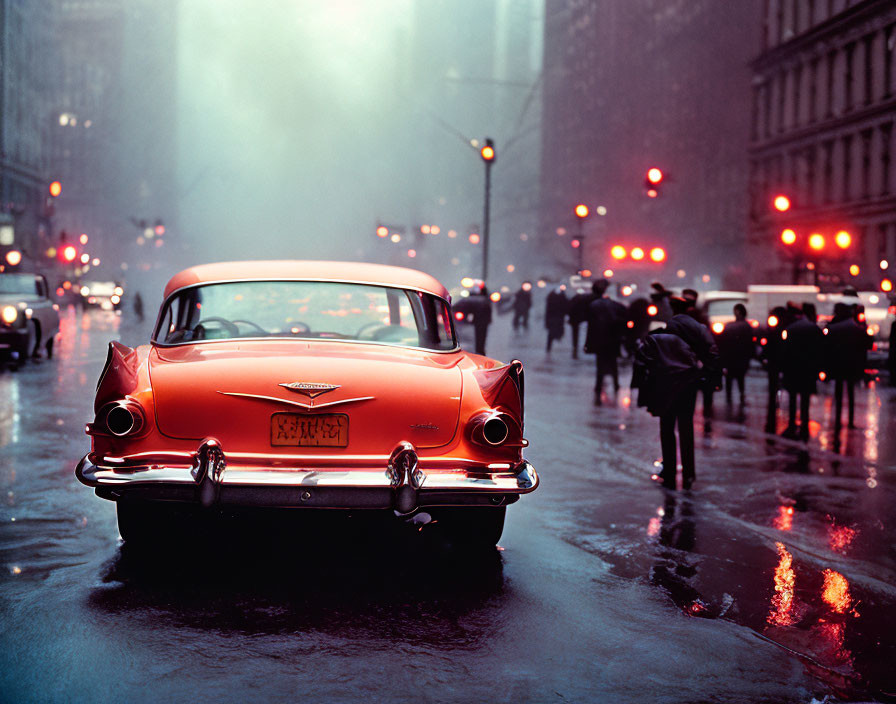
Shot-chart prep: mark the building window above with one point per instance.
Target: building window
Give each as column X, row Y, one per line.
column 850, row 77
column 829, row 77
column 886, row 136
column 782, row 86
column 813, row 89
column 811, row 160
column 827, row 171
column 869, row 68
column 847, row 166
column 866, row 163
column 889, row 48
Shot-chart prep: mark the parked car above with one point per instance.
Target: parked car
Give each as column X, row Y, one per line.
column 29, row 320
column 308, row 385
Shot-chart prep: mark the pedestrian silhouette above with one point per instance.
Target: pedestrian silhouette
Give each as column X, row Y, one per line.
column 670, row 366
column 522, row 302
column 801, row 349
column 736, row 349
column 606, row 328
column 555, row 314
column 578, row 314
column 844, row 359
column 479, row 307
column 138, row 306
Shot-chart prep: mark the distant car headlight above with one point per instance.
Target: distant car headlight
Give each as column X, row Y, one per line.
column 9, row 314
column 115, row 299
column 85, row 290
column 119, row 291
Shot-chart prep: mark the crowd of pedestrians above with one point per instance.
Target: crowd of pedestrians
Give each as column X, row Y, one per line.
column 676, row 358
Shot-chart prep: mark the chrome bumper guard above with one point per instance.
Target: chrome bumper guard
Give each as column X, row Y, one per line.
column 404, row 484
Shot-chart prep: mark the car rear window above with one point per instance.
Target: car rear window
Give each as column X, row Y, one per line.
column 306, row 310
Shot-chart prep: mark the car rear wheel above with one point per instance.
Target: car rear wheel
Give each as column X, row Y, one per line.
column 477, row 528
column 145, row 522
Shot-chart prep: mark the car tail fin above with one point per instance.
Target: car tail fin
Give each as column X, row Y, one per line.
column 505, row 387
column 119, row 375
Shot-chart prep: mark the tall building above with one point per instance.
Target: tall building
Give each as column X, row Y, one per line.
column 26, row 64
column 824, row 104
column 639, row 84
column 113, row 139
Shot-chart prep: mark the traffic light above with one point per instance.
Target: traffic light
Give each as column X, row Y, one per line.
column 781, row 203
column 652, row 181
column 487, row 152
column 581, row 211
column 68, row 253
column 55, row 188
column 843, row 239
column 816, row 241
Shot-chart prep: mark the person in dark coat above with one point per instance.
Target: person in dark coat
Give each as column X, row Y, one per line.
column 606, row 328
column 670, row 366
column 736, row 350
column 691, row 296
column 638, row 325
column 778, row 319
column 845, row 345
column 578, row 314
column 522, row 302
column 555, row 314
column 659, row 296
column 801, row 357
column 479, row 307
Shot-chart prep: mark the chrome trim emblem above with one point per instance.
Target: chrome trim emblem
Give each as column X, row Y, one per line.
column 310, row 389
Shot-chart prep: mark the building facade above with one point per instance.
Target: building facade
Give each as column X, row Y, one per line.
column 26, row 61
column 824, row 104
column 640, row 84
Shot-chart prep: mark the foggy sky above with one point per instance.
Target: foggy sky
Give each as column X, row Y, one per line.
column 285, row 112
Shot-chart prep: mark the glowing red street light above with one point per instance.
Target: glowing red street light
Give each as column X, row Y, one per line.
column 788, row 236
column 55, row 188
column 654, row 175
column 658, row 254
column 843, row 239
column 781, row 203
column 69, row 253
column 816, row 241
column 617, row 252
column 581, row 210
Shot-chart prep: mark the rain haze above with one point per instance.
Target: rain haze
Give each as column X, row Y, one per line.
column 286, row 124
column 615, row 424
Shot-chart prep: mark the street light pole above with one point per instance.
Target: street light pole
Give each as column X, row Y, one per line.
column 488, row 157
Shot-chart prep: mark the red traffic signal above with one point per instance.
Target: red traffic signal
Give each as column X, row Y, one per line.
column 781, row 203
column 69, row 253
column 581, row 211
column 654, row 175
column 55, row 188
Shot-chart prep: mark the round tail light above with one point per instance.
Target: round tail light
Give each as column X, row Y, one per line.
column 122, row 419
column 495, row 430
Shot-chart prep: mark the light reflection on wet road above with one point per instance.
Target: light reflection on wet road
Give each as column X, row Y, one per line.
column 771, row 581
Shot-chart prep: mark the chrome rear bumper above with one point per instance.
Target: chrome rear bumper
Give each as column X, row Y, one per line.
column 403, row 482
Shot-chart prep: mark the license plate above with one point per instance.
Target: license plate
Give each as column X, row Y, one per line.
column 321, row 430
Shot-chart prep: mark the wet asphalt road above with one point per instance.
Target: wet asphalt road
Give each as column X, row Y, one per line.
column 772, row 580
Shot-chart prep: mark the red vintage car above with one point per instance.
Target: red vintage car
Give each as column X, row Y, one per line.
column 308, row 384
